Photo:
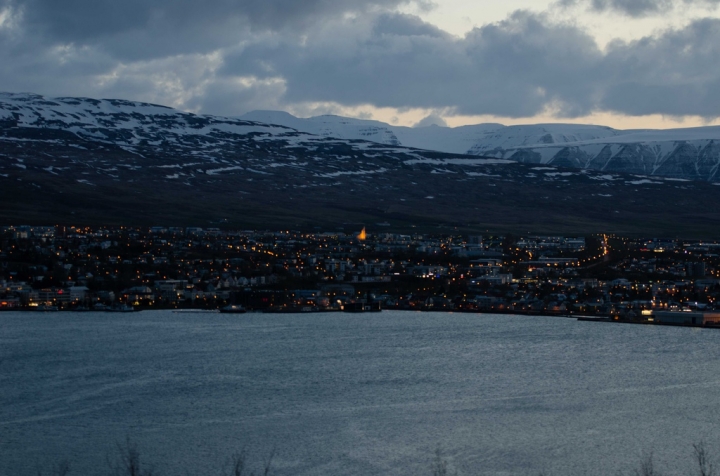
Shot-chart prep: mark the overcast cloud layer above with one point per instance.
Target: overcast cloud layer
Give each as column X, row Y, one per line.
column 231, row 56
column 638, row 8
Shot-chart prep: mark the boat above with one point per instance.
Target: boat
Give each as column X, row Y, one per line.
column 290, row 309
column 195, row 311
column 360, row 306
column 45, row 308
column 233, row 309
column 121, row 308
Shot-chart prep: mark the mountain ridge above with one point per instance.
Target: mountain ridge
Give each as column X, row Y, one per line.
column 90, row 161
column 689, row 153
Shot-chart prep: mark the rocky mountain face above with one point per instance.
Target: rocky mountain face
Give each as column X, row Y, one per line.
column 88, row 161
column 692, row 154
column 687, row 155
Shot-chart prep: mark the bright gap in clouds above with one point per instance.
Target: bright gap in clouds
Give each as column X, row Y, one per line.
column 458, row 17
column 410, row 117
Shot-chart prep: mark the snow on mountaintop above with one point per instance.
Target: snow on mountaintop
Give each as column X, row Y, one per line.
column 538, row 135
column 86, row 116
column 162, row 137
column 688, row 153
column 132, row 125
column 481, row 138
column 59, row 107
column 457, row 140
column 692, row 153
column 329, row 126
column 659, row 135
column 473, row 139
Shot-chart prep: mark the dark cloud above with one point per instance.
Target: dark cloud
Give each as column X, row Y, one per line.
column 637, row 8
column 512, row 68
column 519, row 67
column 77, row 19
column 151, row 28
column 634, row 8
column 677, row 73
column 218, row 61
column 227, row 97
column 406, row 25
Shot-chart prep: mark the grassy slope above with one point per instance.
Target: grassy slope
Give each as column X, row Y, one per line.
column 474, row 207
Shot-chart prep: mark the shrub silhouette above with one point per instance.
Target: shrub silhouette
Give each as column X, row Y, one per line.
column 128, row 463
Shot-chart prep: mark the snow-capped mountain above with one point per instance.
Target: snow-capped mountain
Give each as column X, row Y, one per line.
column 692, row 153
column 442, row 139
column 217, row 145
column 80, row 160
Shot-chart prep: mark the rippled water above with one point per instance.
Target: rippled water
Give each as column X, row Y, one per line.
column 345, row 394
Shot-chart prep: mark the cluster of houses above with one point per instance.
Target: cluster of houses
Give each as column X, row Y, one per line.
column 83, row 268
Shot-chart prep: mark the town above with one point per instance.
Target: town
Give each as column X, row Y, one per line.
column 125, row 268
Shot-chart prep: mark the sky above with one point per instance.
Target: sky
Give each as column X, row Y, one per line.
column 621, row 63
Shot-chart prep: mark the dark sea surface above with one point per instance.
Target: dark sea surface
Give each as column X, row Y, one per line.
column 353, row 394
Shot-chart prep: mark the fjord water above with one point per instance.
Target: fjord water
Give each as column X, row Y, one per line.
column 342, row 394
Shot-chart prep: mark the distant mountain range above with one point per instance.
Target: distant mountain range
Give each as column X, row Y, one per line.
column 90, row 161
column 691, row 153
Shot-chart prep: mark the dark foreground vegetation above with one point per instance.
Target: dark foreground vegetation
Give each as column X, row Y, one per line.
column 128, row 461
